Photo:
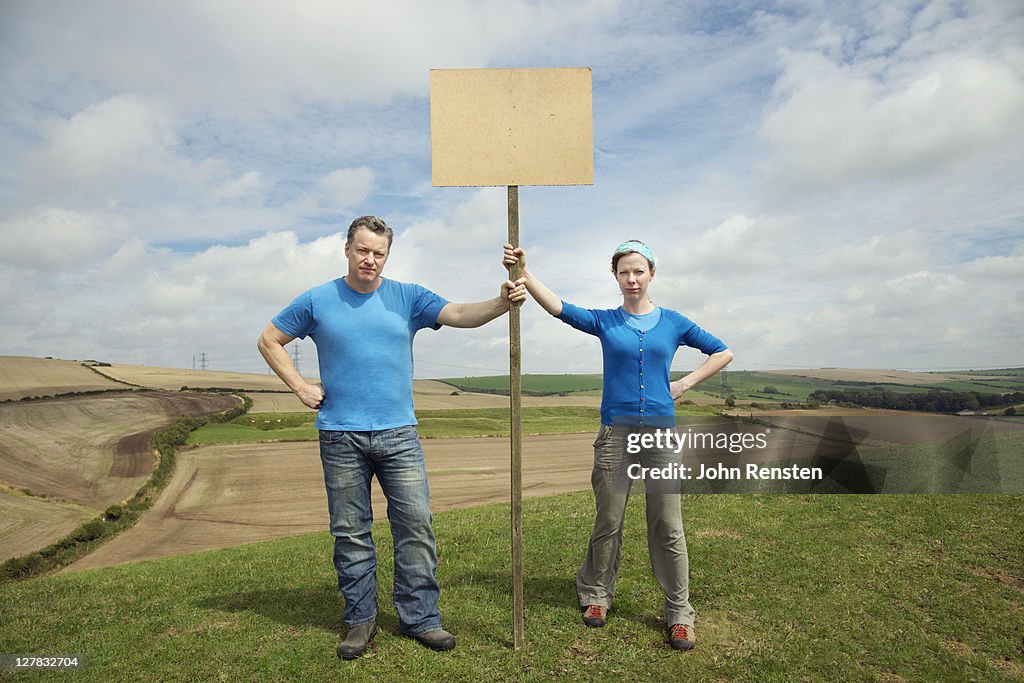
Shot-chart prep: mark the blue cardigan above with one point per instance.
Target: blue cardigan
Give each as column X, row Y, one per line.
column 637, row 362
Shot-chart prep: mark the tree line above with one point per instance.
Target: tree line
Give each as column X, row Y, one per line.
column 933, row 401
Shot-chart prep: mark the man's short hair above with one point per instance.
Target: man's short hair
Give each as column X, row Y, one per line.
column 373, row 224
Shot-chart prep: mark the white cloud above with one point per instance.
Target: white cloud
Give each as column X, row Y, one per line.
column 916, row 293
column 457, row 254
column 1009, row 268
column 879, row 255
column 739, row 246
column 161, row 298
column 251, row 57
column 268, row 270
column 835, row 126
column 133, row 260
column 339, row 190
column 51, row 239
column 94, row 153
column 243, row 187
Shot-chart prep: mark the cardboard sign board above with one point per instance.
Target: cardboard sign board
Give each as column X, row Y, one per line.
column 511, row 127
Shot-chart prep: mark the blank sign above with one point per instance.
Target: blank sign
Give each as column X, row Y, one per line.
column 511, row 127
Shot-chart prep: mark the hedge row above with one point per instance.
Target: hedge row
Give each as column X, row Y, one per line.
column 67, row 394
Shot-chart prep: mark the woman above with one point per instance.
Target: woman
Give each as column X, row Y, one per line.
column 638, row 341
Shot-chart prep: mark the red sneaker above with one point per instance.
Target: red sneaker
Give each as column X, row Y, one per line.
column 594, row 615
column 682, row 637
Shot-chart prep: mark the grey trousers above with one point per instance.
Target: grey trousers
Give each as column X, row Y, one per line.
column 666, row 542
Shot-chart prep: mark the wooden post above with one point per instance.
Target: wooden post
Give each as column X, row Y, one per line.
column 509, row 128
column 515, row 401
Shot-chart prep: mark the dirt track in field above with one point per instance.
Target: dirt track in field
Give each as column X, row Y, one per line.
column 133, row 455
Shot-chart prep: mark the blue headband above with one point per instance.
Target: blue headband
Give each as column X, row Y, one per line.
column 639, row 248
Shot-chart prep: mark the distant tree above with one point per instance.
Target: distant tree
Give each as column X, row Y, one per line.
column 730, row 401
column 1011, row 411
column 771, row 389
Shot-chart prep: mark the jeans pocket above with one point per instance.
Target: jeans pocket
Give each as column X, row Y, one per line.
column 407, row 432
column 332, row 436
column 608, row 451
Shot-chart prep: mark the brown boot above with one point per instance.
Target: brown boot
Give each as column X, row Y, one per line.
column 357, row 640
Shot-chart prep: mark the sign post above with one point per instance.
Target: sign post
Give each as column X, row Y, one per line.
column 512, row 127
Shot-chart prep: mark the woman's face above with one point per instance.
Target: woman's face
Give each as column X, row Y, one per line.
column 633, row 275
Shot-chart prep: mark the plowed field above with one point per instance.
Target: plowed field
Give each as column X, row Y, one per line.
column 80, row 453
column 21, row 376
column 228, row 495
column 870, row 426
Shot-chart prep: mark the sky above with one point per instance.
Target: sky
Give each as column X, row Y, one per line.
column 824, row 184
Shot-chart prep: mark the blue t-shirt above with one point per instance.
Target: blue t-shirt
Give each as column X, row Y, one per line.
column 642, row 321
column 364, row 344
column 636, row 363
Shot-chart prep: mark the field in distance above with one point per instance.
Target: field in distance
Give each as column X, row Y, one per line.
column 774, row 386
column 22, row 376
column 269, row 394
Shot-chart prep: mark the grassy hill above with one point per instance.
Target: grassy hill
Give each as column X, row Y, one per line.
column 786, row 588
column 532, row 384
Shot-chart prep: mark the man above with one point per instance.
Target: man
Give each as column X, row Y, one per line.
column 363, row 327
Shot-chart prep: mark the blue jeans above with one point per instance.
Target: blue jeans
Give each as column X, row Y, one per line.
column 350, row 461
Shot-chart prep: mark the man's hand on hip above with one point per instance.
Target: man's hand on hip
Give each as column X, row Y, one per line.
column 311, row 395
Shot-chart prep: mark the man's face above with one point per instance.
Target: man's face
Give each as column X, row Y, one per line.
column 367, row 254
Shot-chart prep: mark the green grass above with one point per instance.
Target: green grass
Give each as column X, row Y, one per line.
column 986, row 387
column 218, row 435
column 815, row 588
column 743, row 384
column 433, row 424
column 986, row 462
column 437, row 424
column 1005, row 372
column 548, row 384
